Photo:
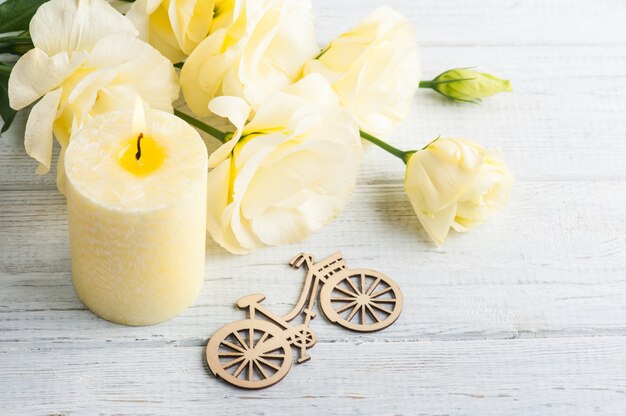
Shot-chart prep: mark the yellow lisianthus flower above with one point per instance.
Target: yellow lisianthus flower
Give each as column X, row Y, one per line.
column 374, row 69
column 176, row 27
column 259, row 51
column 287, row 172
column 86, row 61
column 455, row 183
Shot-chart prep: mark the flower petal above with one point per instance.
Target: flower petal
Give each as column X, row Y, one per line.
column 36, row 73
column 38, row 135
column 218, row 187
column 76, row 25
column 438, row 225
column 227, row 238
column 139, row 15
column 191, row 21
column 236, row 110
column 204, row 71
column 140, row 66
column 280, row 226
column 439, row 174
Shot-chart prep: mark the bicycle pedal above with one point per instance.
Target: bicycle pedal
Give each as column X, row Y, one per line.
column 303, row 359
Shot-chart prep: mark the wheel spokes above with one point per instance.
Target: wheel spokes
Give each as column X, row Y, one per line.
column 346, row 291
column 382, row 292
column 389, row 300
column 243, row 343
column 240, row 368
column 260, row 369
column 372, row 313
column 272, row 355
column 387, row 311
column 267, row 363
column 350, row 299
column 356, row 291
column 373, row 286
column 233, row 362
column 264, row 337
column 250, row 370
column 251, row 354
column 362, row 314
column 354, row 312
column 346, row 307
column 230, row 354
column 233, row 346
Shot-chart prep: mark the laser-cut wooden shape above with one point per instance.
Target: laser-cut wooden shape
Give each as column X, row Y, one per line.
column 256, row 353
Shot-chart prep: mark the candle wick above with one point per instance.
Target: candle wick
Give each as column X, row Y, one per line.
column 138, row 154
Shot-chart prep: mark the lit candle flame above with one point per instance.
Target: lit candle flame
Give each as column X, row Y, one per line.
column 139, row 117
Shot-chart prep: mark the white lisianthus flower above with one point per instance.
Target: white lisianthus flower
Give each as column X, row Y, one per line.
column 374, row 69
column 86, row 61
column 260, row 53
column 287, row 172
column 455, row 183
column 173, row 27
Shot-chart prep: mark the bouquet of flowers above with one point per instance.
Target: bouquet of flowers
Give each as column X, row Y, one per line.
column 298, row 112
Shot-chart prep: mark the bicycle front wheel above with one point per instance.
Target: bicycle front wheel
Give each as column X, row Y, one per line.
column 251, row 354
column 361, row 300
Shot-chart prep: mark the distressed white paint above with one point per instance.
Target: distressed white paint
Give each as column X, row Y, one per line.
column 525, row 315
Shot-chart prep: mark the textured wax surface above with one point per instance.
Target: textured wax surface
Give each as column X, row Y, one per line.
column 93, row 166
column 137, row 243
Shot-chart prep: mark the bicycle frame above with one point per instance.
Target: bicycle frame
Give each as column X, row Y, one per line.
column 264, row 346
column 309, row 292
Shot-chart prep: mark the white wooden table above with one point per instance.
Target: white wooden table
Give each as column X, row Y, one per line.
column 525, row 315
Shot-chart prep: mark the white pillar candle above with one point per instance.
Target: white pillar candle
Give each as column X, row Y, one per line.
column 137, row 215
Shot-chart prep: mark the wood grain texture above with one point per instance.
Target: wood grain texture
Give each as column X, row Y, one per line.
column 574, row 376
column 524, row 315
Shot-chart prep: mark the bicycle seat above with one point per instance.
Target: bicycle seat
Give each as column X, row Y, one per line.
column 250, row 300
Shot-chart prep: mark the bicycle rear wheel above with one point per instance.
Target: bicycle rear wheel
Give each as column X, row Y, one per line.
column 251, row 354
column 361, row 300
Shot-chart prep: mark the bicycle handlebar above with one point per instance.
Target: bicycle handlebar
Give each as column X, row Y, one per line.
column 299, row 259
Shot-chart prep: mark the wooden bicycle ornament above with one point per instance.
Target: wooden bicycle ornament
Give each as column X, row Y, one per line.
column 255, row 353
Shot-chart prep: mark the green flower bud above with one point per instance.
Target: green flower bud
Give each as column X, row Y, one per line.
column 464, row 84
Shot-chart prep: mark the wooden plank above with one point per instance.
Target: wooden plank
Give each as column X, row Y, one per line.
column 469, row 23
column 551, row 232
column 574, row 376
column 488, row 284
column 38, row 310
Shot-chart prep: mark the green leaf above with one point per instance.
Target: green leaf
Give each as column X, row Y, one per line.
column 15, row 15
column 16, row 45
column 6, row 112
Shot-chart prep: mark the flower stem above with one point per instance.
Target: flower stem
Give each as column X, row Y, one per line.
column 427, row 84
column 5, row 69
column 323, row 51
column 218, row 134
column 17, row 39
column 400, row 154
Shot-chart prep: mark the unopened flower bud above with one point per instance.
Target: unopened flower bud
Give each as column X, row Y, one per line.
column 467, row 85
